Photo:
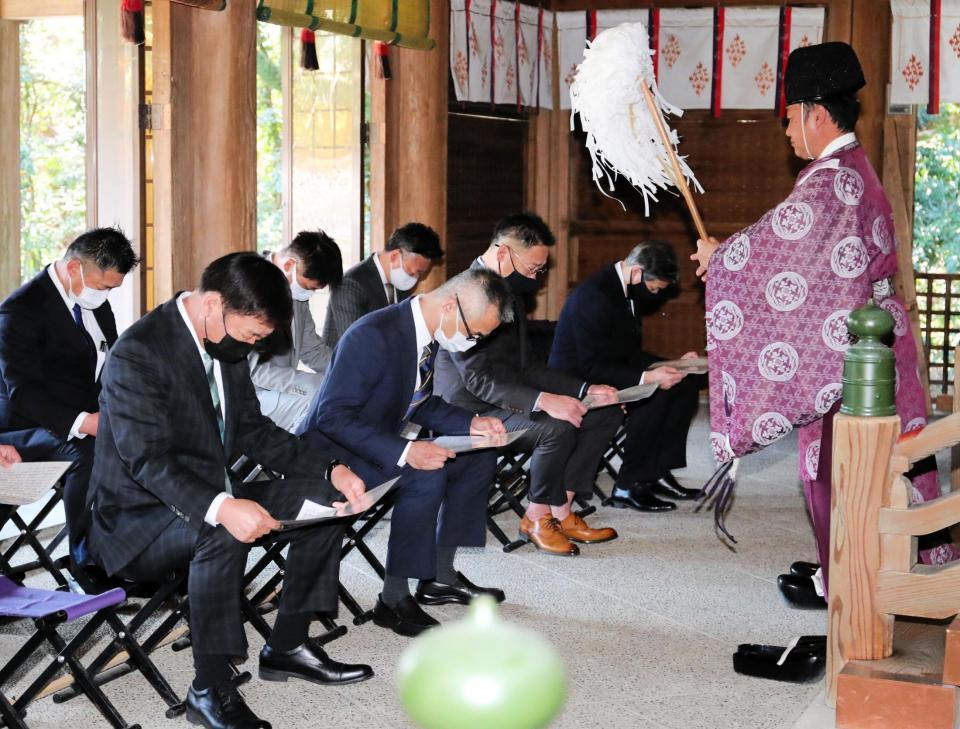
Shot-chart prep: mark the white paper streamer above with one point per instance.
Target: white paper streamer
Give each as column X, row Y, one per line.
column 622, row 136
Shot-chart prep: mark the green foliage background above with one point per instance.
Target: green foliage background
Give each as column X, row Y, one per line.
column 936, row 225
column 52, row 139
column 269, row 131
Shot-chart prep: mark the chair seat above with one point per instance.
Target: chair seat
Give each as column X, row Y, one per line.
column 26, row 602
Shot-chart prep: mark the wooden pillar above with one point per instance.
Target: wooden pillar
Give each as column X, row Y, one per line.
column 408, row 140
column 870, row 38
column 9, row 156
column 205, row 138
column 856, row 629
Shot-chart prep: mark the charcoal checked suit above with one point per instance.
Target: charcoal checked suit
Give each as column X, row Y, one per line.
column 360, row 292
column 160, row 462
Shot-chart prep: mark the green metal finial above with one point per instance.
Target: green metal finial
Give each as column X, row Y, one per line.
column 869, row 367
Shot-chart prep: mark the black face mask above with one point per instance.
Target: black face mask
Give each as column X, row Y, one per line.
column 228, row 349
column 519, row 284
column 640, row 292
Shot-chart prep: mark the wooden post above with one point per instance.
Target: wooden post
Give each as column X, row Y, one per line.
column 9, row 156
column 955, row 451
column 408, row 140
column 205, row 139
column 856, row 629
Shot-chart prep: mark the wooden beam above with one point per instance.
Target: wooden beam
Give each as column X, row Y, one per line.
column 205, row 140
column 9, row 156
column 925, row 592
column 858, row 627
column 28, row 9
column 931, row 439
column 955, row 451
column 923, row 518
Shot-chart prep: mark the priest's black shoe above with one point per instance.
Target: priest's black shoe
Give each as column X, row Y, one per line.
column 431, row 592
column 804, row 569
column 221, row 706
column 806, row 662
column 670, row 488
column 640, row 497
column 405, row 618
column 309, row 662
column 800, row 593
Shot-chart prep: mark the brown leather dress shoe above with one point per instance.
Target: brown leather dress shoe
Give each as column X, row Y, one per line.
column 578, row 530
column 547, row 536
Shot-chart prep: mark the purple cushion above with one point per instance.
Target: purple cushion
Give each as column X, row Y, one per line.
column 26, row 602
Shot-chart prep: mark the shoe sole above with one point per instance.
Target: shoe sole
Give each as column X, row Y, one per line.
column 394, row 628
column 591, row 541
column 425, row 600
column 527, row 540
column 621, row 505
column 269, row 674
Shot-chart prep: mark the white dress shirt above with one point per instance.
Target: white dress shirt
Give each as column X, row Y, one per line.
column 424, row 337
column 96, row 334
column 391, row 297
column 211, row 516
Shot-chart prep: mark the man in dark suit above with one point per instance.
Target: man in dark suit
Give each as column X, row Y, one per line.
column 177, row 403
column 379, row 382
column 383, row 279
column 599, row 337
column 311, row 262
column 500, row 378
column 55, row 331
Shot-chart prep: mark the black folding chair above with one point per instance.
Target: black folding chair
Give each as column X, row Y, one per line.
column 510, row 485
column 29, row 538
column 611, row 461
column 49, row 609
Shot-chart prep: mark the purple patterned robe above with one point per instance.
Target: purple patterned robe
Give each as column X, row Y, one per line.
column 778, row 295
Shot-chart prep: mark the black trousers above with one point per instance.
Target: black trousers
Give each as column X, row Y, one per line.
column 217, row 561
column 657, row 432
column 445, row 507
column 565, row 458
column 39, row 444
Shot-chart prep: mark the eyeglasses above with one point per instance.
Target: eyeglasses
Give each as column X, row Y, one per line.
column 471, row 337
column 534, row 272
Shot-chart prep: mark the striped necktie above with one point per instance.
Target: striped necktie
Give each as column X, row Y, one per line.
column 425, row 390
column 215, row 397
column 91, row 347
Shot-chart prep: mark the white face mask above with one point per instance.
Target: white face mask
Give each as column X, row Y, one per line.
column 401, row 280
column 457, row 343
column 89, row 298
column 296, row 290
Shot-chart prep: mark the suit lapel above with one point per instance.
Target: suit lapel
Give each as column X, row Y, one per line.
column 60, row 314
column 410, row 353
column 374, row 284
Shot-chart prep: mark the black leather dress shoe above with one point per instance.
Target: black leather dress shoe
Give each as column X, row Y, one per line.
column 800, row 593
column 806, row 662
column 804, row 569
column 405, row 618
column 310, row 662
column 669, row 487
column 639, row 498
column 221, row 706
column 431, row 592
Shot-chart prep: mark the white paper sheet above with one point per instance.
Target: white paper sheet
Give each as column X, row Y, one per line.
column 24, row 483
column 629, row 394
column 467, row 443
column 691, row 366
column 370, row 498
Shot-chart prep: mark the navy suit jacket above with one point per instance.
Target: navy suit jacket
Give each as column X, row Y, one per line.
column 598, row 338
column 46, row 379
column 158, row 454
column 368, row 388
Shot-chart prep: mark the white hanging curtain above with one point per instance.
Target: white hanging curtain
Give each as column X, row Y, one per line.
column 528, row 53
column 480, row 44
column 685, row 60
column 459, row 50
column 505, row 52
column 571, row 40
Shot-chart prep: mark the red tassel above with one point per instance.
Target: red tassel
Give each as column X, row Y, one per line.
column 131, row 21
column 381, row 60
column 308, row 50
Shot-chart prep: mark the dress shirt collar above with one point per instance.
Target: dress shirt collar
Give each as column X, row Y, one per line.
column 186, row 320
column 424, row 337
column 619, row 265
column 56, row 282
column 383, row 275
column 842, row 141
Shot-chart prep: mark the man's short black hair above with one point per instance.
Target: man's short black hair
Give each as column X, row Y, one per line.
column 250, row 285
column 844, row 109
column 416, row 238
column 658, row 260
column 527, row 228
column 107, row 248
column 320, row 256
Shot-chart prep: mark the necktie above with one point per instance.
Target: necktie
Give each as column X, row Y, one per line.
column 91, row 347
column 215, row 397
column 391, row 293
column 425, row 390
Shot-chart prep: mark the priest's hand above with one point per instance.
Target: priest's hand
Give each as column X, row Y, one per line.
column 705, row 250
